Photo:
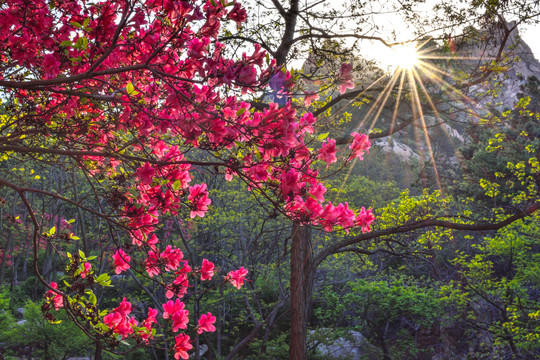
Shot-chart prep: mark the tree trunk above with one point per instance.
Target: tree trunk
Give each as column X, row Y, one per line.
column 301, row 287
column 386, row 352
column 4, row 259
column 97, row 353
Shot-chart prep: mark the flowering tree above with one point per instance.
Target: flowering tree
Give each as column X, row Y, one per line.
column 130, row 94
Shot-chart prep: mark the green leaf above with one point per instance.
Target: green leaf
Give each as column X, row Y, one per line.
column 177, row 184
column 52, row 231
column 133, row 192
column 79, row 45
column 81, row 254
column 76, row 24
column 66, row 43
column 130, row 88
column 92, row 297
column 321, row 137
column 104, row 280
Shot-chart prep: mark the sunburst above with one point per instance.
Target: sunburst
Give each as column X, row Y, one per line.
column 411, row 77
column 404, row 56
column 410, row 68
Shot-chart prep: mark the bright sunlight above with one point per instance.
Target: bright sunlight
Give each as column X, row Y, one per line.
column 404, row 56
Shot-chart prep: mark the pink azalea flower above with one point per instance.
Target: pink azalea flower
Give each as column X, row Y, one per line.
column 180, row 285
column 345, row 78
column 207, row 270
column 51, row 66
column 306, row 122
column 87, row 267
column 329, row 216
column 182, row 346
column 172, row 257
column 146, row 333
column 328, row 152
column 237, row 277
column 364, row 219
column 56, row 298
column 309, row 97
column 237, row 14
column 152, row 241
column 359, row 145
column 151, row 319
column 118, row 321
column 318, row 192
column 290, row 182
column 346, row 216
column 198, row 196
column 206, row 323
column 176, row 312
column 121, row 261
column 146, row 173
column 247, row 75
column 124, row 309
column 152, row 263
column 112, row 320
column 180, row 320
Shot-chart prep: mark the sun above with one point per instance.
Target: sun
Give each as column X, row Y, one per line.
column 404, row 56
column 398, row 58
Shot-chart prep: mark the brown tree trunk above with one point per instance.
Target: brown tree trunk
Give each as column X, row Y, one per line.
column 97, row 353
column 301, row 286
column 6, row 251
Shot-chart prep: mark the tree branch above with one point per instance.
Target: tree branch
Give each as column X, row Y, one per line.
column 422, row 224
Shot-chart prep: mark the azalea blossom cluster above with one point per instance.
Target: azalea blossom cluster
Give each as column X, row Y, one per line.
column 119, row 322
column 128, row 89
column 55, row 297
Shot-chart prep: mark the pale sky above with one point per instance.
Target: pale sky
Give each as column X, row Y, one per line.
column 531, row 36
column 394, row 22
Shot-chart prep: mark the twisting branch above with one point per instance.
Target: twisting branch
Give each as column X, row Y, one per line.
column 422, row 224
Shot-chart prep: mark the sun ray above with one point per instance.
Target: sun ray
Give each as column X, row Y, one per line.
column 424, row 64
column 363, row 92
column 382, row 94
column 347, row 175
column 433, row 107
column 390, row 86
column 385, row 93
column 398, row 98
column 428, row 68
column 439, row 57
column 412, row 66
column 419, row 111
